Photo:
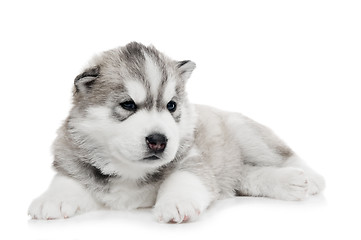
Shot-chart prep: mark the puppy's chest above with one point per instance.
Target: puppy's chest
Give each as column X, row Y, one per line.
column 129, row 195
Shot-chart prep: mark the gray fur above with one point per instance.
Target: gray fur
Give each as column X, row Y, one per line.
column 77, row 157
column 228, row 153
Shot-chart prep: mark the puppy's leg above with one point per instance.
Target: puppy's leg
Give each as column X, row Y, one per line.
column 181, row 198
column 271, row 168
column 286, row 183
column 293, row 180
column 64, row 198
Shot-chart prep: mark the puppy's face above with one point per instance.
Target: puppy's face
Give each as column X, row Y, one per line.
column 132, row 102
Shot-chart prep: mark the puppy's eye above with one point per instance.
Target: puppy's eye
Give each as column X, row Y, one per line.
column 129, row 105
column 172, row 106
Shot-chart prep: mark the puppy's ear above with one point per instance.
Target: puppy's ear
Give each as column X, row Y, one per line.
column 186, row 68
column 84, row 81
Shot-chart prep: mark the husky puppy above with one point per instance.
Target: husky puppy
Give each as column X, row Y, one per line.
column 132, row 140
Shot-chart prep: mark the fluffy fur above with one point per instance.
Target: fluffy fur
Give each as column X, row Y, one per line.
column 133, row 140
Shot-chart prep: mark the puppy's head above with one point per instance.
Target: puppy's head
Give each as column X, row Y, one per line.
column 132, row 102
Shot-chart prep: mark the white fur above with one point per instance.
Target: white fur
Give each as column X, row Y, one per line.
column 182, row 197
column 111, row 134
column 136, row 91
column 153, row 74
column 169, row 91
column 64, row 198
column 127, row 194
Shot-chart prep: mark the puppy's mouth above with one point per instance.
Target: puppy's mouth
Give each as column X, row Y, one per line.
column 152, row 158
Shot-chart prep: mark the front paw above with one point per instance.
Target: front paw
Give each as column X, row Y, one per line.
column 177, row 210
column 181, row 198
column 49, row 208
column 64, row 198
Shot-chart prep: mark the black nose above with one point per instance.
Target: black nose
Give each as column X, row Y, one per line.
column 156, row 142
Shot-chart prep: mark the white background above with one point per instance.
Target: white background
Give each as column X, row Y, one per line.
column 292, row 65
